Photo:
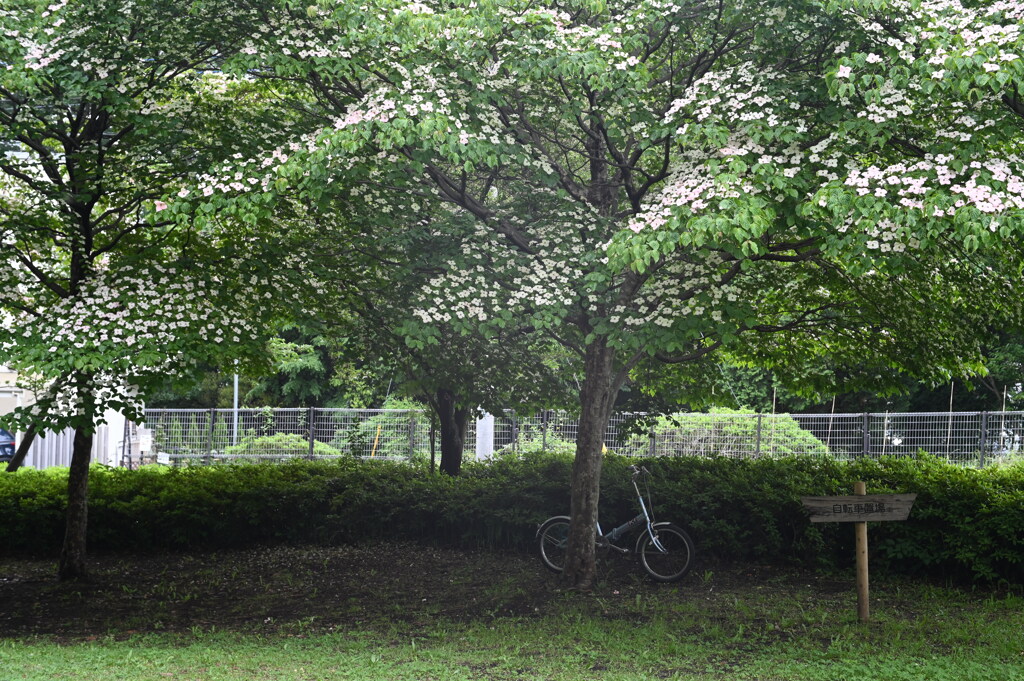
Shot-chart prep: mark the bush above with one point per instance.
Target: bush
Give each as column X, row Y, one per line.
column 280, row 446
column 967, row 524
column 727, row 433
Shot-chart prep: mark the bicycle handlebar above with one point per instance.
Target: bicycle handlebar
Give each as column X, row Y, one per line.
column 638, row 471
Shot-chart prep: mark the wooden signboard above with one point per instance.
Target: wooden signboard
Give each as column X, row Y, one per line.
column 860, row 508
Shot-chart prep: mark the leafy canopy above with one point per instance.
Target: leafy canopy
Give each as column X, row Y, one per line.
column 784, row 182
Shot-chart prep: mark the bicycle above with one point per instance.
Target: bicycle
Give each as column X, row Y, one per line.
column 665, row 550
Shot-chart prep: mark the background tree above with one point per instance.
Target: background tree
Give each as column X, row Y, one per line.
column 363, row 286
column 106, row 108
column 307, row 365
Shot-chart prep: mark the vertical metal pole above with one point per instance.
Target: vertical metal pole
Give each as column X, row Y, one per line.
column 544, row 430
column 885, row 431
column 125, row 447
column 949, row 427
column 861, row 533
column 515, row 433
column 831, row 418
column 771, row 440
column 234, row 410
column 209, row 437
column 309, row 418
column 412, row 434
column 1002, row 425
column 981, row 439
column 866, row 444
column 757, row 443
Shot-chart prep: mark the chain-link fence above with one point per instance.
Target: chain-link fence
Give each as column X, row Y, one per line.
column 183, row 436
column 969, row 438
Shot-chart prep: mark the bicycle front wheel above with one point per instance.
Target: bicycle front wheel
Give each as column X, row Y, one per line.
column 671, row 557
column 553, row 541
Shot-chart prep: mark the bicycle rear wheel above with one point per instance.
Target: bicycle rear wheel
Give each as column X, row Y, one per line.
column 553, row 541
column 673, row 559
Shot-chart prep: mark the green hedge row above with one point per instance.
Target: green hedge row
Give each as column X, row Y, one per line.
column 967, row 524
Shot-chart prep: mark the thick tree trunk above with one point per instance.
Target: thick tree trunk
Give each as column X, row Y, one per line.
column 72, row 555
column 453, row 420
column 26, row 444
column 596, row 399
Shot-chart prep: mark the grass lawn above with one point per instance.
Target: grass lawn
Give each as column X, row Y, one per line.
column 408, row 612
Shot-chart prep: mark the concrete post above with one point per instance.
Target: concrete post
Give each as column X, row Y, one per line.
column 485, row 437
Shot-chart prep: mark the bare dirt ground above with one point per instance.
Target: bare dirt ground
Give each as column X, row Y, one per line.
column 319, row 588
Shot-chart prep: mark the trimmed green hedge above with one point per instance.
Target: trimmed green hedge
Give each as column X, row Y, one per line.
column 967, row 524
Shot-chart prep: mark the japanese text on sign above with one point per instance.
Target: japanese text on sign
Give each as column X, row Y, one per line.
column 878, row 507
column 859, row 508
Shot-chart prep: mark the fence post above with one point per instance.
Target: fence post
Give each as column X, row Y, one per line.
column 757, row 443
column 412, row 434
column 515, row 433
column 544, row 430
column 209, row 438
column 309, row 419
column 484, row 448
column 982, row 438
column 653, row 442
column 866, row 445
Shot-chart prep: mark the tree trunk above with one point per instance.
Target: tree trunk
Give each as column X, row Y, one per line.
column 596, row 399
column 453, row 420
column 72, row 555
column 26, row 444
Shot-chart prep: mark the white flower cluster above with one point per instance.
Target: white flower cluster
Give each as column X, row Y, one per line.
column 124, row 326
column 489, row 282
column 689, row 190
column 885, row 237
column 734, row 95
column 992, row 186
column 689, row 293
column 984, row 29
column 893, row 103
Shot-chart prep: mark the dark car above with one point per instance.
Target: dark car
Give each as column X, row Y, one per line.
column 6, row 446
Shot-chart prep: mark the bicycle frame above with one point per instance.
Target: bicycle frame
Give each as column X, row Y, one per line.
column 644, row 517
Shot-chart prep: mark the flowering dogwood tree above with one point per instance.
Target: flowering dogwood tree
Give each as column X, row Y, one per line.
column 363, row 286
column 105, row 111
column 779, row 181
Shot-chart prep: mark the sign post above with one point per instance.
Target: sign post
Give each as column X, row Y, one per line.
column 859, row 509
column 861, row 533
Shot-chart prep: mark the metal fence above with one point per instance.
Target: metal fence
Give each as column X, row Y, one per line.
column 968, row 438
column 183, row 436
column 187, row 436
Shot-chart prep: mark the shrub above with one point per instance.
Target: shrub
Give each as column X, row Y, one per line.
column 727, row 433
column 280, row 446
column 967, row 524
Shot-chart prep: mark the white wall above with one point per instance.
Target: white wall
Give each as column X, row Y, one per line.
column 12, row 396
